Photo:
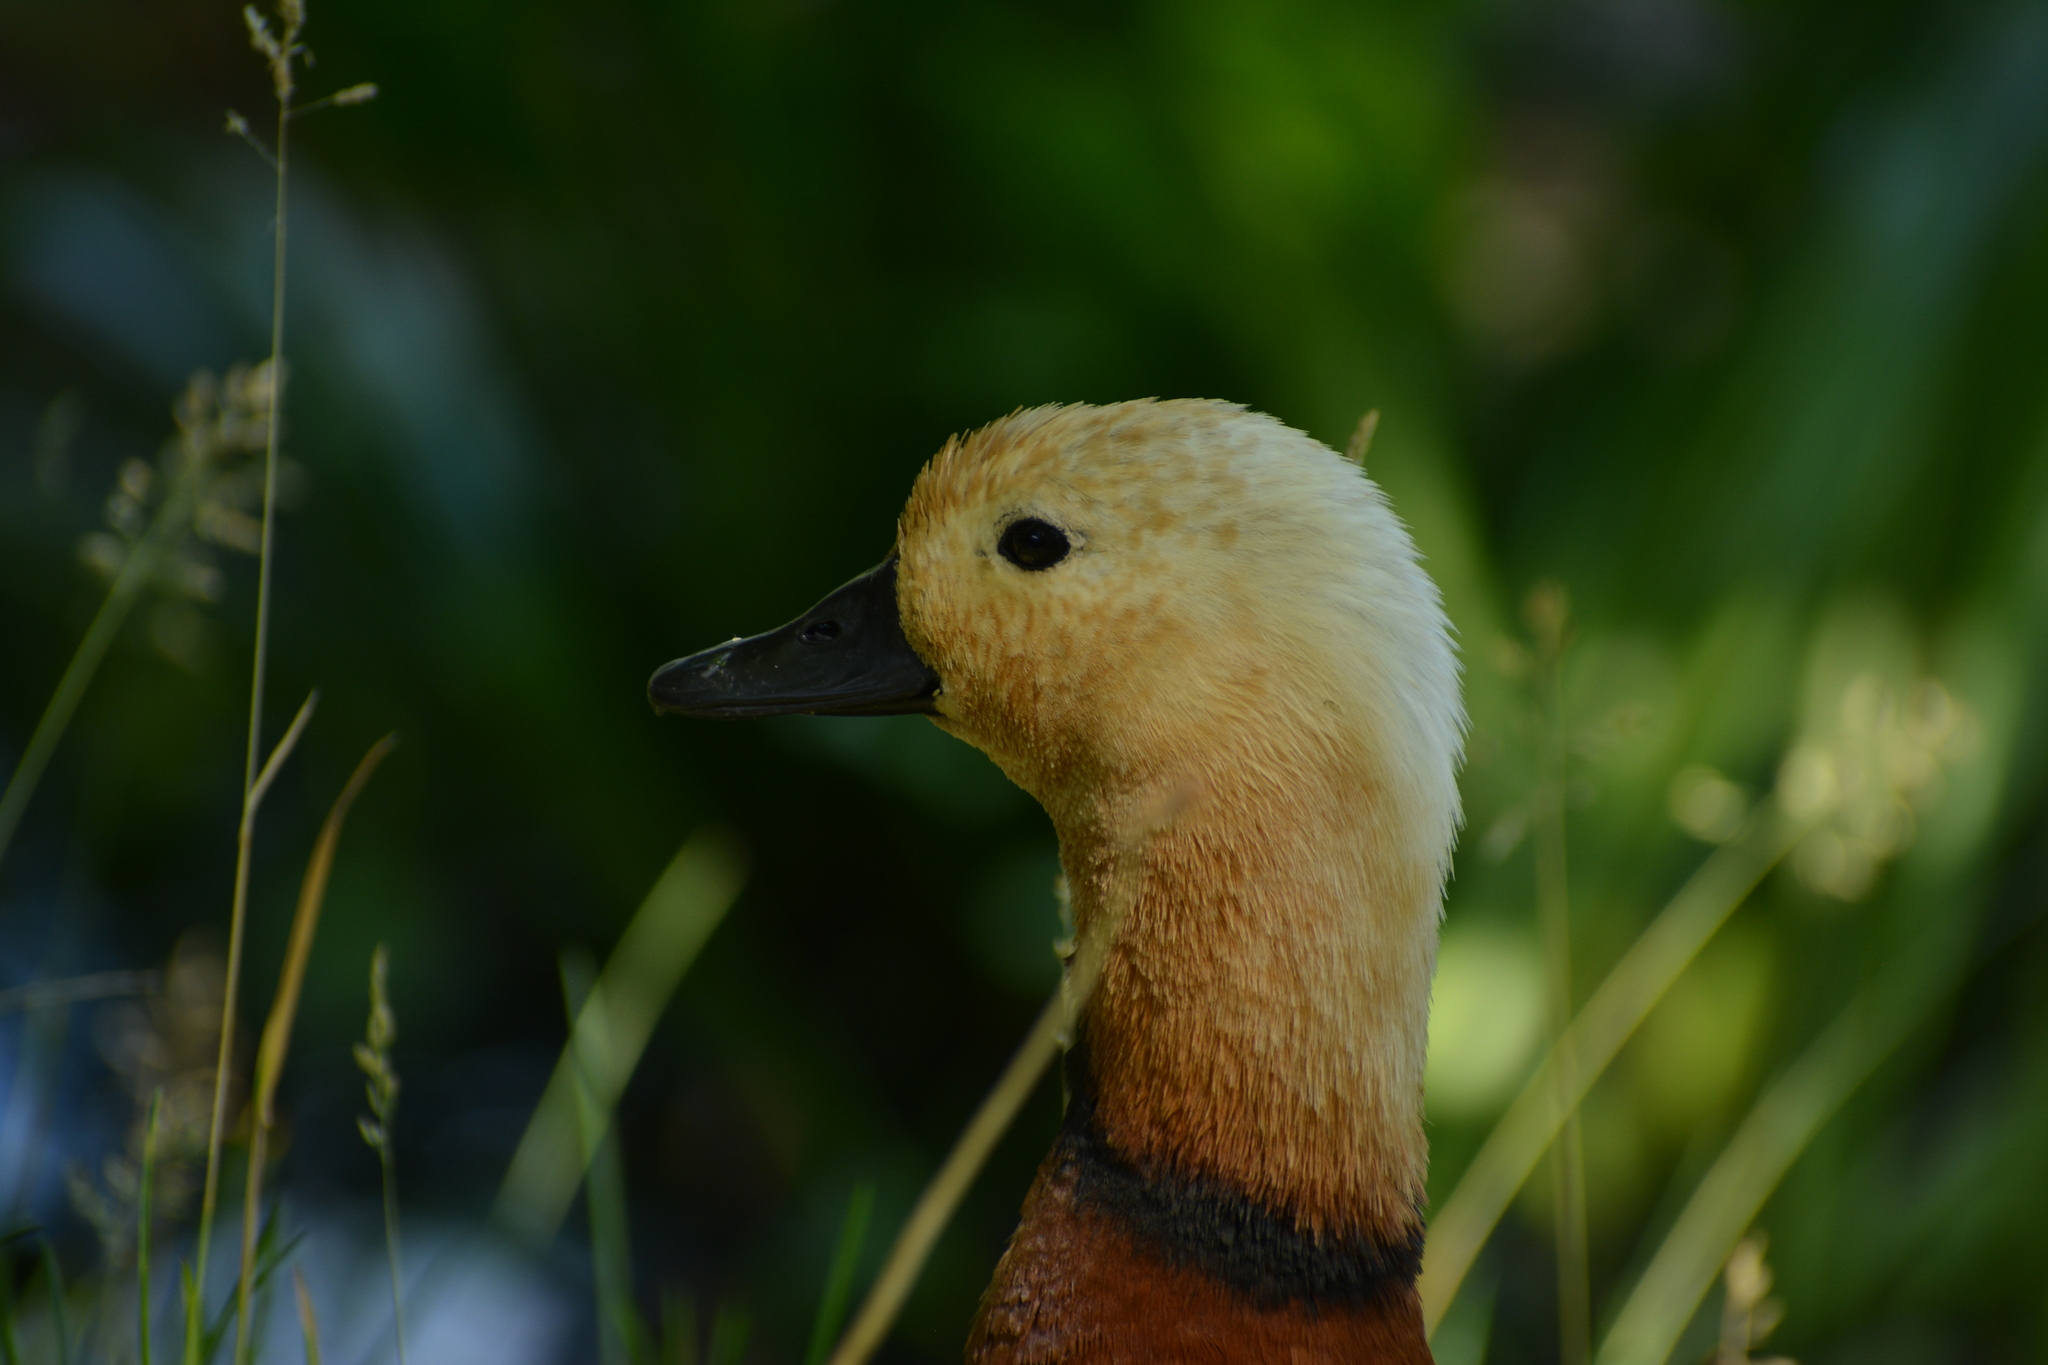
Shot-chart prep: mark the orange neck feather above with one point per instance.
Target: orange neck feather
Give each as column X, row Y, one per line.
column 1240, row 1173
column 1262, row 1018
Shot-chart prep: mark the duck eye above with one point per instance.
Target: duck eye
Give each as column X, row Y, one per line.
column 1033, row 544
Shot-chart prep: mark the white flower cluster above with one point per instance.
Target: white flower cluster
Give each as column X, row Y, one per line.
column 1865, row 787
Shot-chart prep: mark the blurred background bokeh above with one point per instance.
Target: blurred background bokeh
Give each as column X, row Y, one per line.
column 619, row 327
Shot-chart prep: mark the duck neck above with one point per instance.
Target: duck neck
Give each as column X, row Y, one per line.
column 1259, row 1029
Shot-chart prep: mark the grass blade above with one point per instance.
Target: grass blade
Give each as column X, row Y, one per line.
column 309, row 1326
column 53, row 1275
column 612, row 1028
column 678, row 1329
column 284, row 1012
column 622, row 1338
column 839, row 1277
column 1548, row 613
column 10, row 1348
column 280, row 54
column 624, row 1335
column 1773, row 1134
column 728, row 1337
column 170, row 522
column 1623, row 1000
column 272, row 1251
column 144, row 1200
column 195, row 1315
column 75, row 990
column 252, row 798
column 10, row 1345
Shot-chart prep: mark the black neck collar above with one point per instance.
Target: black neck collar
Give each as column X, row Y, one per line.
column 1206, row 1223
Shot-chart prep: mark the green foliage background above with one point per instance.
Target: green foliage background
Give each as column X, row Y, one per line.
column 619, row 327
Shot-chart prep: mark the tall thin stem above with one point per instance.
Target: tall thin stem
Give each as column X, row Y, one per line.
column 1547, row 612
column 144, row 1233
column 280, row 53
column 140, row 566
column 373, row 1057
column 284, row 1012
column 391, row 1247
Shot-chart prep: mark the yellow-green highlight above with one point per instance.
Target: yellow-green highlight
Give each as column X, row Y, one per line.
column 612, row 1028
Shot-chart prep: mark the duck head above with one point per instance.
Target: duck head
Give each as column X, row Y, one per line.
column 1100, row 598
column 1185, row 607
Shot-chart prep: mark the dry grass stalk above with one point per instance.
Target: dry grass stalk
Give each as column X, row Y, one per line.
column 1360, row 444
column 373, row 1056
column 1049, row 1036
column 281, row 50
column 942, row 1195
column 277, row 1030
column 253, row 795
column 309, row 1325
column 279, row 53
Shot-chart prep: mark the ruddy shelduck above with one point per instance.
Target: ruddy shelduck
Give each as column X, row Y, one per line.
column 1185, row 607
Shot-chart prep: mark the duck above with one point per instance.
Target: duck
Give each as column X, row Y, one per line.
column 1185, row 606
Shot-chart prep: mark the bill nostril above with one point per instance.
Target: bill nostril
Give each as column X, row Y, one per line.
column 818, row 632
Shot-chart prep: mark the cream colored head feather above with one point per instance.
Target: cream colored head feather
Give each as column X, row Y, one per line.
column 1230, row 577
column 1240, row 615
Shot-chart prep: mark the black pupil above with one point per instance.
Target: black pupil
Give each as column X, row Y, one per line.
column 1033, row 544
